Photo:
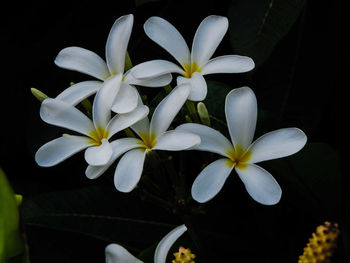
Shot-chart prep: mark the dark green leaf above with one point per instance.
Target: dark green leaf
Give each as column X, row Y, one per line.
column 313, row 176
column 215, row 103
column 97, row 211
column 256, row 26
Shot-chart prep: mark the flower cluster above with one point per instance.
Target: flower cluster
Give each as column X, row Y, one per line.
column 321, row 245
column 117, row 105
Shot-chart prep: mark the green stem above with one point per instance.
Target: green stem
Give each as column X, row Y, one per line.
column 178, row 187
column 156, row 200
column 129, row 133
column 88, row 107
column 168, row 88
column 192, row 111
column 196, row 236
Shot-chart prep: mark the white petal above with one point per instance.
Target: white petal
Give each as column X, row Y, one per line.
column 159, row 81
column 101, row 108
column 155, row 68
column 126, row 99
column 84, row 61
column 64, row 115
column 228, row 64
column 260, row 184
column 141, row 127
column 211, row 140
column 99, row 155
column 167, row 109
column 207, row 38
column 241, row 113
column 166, row 243
column 198, row 86
column 80, row 91
column 210, row 181
column 60, row 149
column 119, row 147
column 123, row 121
column 117, row 43
column 168, row 37
column 117, row 254
column 129, row 170
column 277, row 144
column 176, row 140
column 156, row 82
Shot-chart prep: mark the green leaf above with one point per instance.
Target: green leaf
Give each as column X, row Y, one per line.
column 97, row 211
column 312, row 178
column 256, row 26
column 12, row 245
column 215, row 103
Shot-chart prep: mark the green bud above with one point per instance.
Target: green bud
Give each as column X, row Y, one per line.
column 203, row 113
column 38, row 94
column 19, row 199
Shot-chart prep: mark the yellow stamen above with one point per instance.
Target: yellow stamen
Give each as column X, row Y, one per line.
column 148, row 141
column 322, row 244
column 238, row 158
column 189, row 70
column 184, row 256
column 97, row 136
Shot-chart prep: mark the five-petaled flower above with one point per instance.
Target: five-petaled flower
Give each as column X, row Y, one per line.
column 88, row 62
column 118, row 254
column 242, row 154
column 114, row 92
column 196, row 63
column 153, row 135
column 97, row 131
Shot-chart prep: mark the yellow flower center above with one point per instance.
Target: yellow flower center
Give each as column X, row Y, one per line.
column 148, row 141
column 238, row 158
column 97, row 136
column 190, row 69
column 184, row 256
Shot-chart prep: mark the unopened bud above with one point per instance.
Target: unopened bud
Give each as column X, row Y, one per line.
column 38, row 94
column 18, row 199
column 203, row 113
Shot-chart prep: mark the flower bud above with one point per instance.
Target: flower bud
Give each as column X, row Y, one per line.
column 203, row 113
column 38, row 94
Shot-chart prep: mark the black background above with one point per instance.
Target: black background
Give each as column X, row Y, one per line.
column 311, row 60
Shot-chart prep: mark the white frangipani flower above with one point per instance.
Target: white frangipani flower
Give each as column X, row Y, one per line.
column 88, row 62
column 195, row 64
column 97, row 132
column 117, row 254
column 242, row 154
column 153, row 136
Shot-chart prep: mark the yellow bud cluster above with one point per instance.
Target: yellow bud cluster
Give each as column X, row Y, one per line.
column 321, row 245
column 184, row 256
